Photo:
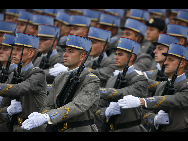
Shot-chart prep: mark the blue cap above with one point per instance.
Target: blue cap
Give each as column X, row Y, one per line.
column 127, row 45
column 63, row 17
column 116, row 12
column 135, row 25
column 8, row 40
column 78, row 42
column 77, row 10
column 48, row 31
column 80, row 20
column 139, row 14
column 7, row 27
column 39, row 10
column 177, row 50
column 107, row 19
column 30, row 41
column 52, row 12
column 94, row 14
column 166, row 39
column 1, row 16
column 99, row 34
column 14, row 11
column 159, row 12
column 182, row 15
column 42, row 19
column 177, row 30
column 174, row 10
column 25, row 16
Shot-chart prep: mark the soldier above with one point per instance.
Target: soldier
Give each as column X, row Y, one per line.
column 173, row 101
column 106, row 67
column 136, row 83
column 11, row 15
column 48, row 35
column 31, row 92
column 24, row 22
column 157, row 13
column 77, row 115
column 139, row 14
column 182, row 18
column 79, row 25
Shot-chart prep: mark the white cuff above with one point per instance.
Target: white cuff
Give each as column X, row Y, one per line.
column 145, row 103
column 48, row 118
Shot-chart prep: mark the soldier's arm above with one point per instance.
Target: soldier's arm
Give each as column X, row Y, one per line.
column 137, row 88
column 88, row 95
column 31, row 85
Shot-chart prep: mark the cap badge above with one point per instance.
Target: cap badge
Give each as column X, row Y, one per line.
column 151, row 21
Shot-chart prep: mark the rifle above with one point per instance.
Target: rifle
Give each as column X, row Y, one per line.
column 5, row 71
column 96, row 63
column 70, row 87
column 160, row 74
column 121, row 81
column 169, row 89
column 44, row 64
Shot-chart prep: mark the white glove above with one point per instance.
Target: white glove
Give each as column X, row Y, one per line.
column 113, row 109
column 57, row 69
column 35, row 119
column 14, row 108
column 161, row 118
column 129, row 101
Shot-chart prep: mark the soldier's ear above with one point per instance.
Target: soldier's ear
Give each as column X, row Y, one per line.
column 82, row 56
column 31, row 54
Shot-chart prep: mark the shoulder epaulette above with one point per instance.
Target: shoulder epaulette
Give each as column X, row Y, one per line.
column 35, row 68
column 92, row 75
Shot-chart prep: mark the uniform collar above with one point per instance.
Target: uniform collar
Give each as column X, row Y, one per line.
column 27, row 67
column 74, row 70
column 179, row 78
column 54, row 52
column 104, row 56
column 12, row 66
column 130, row 70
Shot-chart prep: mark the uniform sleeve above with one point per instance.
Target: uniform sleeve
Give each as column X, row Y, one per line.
column 166, row 102
column 137, row 88
column 33, row 84
column 88, row 95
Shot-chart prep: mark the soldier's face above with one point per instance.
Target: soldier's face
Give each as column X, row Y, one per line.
column 4, row 54
column 171, row 64
column 120, row 59
column 44, row 44
column 127, row 33
column 78, row 30
column 97, row 46
column 158, row 53
column 72, row 58
column 16, row 55
column 152, row 33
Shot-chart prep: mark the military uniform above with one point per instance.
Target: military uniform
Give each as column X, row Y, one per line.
column 49, row 31
column 31, row 91
column 129, row 120
column 175, row 103
column 82, row 106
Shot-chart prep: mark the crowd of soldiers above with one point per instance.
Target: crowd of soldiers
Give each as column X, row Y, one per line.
column 93, row 70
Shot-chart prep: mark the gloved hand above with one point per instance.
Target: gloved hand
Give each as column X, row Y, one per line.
column 161, row 118
column 113, row 109
column 35, row 119
column 57, row 69
column 129, row 101
column 14, row 108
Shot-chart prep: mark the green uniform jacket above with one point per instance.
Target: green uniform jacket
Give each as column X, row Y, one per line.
column 83, row 105
column 105, row 71
column 53, row 60
column 176, row 104
column 32, row 92
column 137, row 86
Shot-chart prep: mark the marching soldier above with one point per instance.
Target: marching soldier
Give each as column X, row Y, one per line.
column 105, row 69
column 182, row 17
column 136, row 84
column 11, row 15
column 30, row 92
column 48, row 34
column 78, row 114
column 170, row 97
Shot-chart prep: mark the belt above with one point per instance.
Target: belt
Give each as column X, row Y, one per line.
column 66, row 125
column 125, row 125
